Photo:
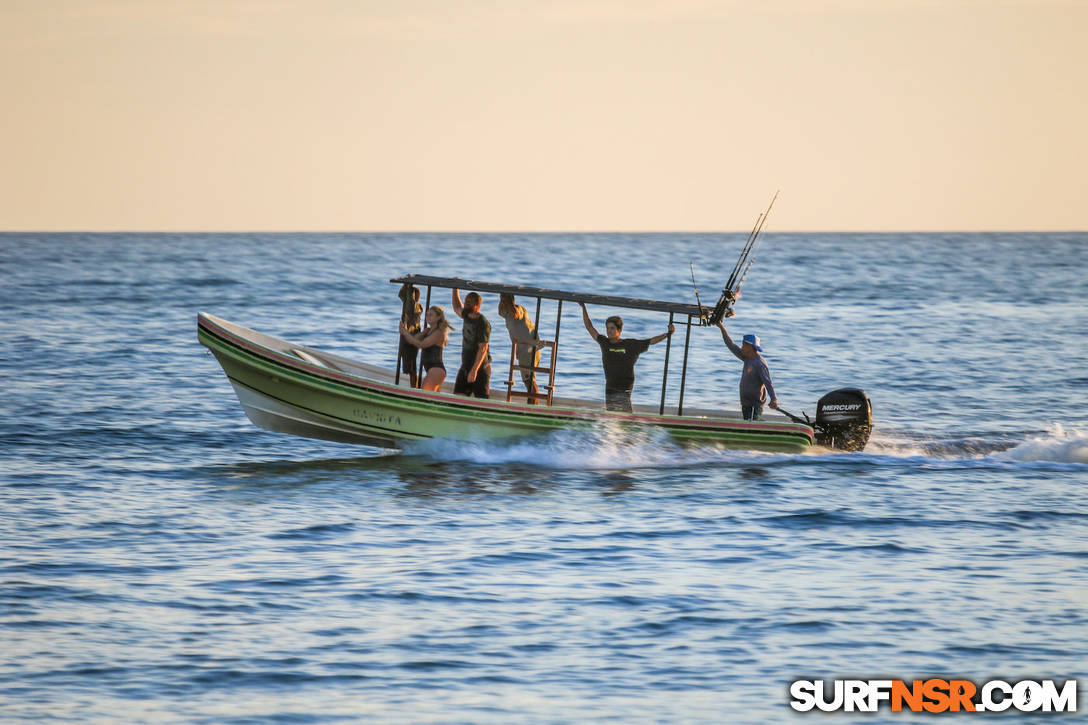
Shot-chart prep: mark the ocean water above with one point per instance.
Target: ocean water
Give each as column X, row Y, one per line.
column 161, row 559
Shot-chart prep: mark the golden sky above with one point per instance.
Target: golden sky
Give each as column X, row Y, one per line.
column 543, row 115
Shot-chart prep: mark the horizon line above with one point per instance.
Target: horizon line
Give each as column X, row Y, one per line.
column 530, row 231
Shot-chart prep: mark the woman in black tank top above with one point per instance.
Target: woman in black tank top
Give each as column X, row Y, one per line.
column 431, row 341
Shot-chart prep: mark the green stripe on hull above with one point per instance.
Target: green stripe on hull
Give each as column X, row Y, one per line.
column 402, row 418
column 396, row 416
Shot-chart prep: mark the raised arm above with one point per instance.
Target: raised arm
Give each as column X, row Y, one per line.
column 458, row 308
column 588, row 322
column 663, row 335
column 729, row 343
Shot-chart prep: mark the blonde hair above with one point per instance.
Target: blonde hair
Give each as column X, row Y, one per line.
column 440, row 323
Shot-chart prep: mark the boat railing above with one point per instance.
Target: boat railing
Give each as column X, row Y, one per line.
column 549, row 370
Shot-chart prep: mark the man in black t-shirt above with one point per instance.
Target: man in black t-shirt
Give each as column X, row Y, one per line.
column 475, row 372
column 618, row 357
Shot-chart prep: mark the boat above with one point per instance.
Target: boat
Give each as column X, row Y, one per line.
column 292, row 388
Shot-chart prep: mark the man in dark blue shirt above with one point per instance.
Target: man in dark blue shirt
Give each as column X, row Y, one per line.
column 755, row 380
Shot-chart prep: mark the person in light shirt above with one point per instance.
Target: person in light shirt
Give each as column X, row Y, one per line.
column 521, row 328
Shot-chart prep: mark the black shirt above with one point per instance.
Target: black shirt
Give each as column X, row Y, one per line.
column 473, row 334
column 619, row 361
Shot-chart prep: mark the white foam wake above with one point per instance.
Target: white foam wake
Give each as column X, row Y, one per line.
column 610, row 447
column 1058, row 445
column 604, row 447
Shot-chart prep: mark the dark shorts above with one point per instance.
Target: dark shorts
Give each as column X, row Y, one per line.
column 752, row 412
column 618, row 400
column 478, row 389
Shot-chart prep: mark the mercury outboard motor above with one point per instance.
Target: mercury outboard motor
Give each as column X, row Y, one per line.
column 844, row 420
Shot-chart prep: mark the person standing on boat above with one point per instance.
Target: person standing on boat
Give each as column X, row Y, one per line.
column 618, row 357
column 755, row 380
column 430, row 342
column 521, row 328
column 475, row 373
column 410, row 314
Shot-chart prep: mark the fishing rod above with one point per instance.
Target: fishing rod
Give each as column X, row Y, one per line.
column 751, row 259
column 691, row 265
column 743, row 265
column 744, row 251
column 749, row 252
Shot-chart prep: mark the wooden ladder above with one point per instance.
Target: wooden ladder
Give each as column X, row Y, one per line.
column 546, row 391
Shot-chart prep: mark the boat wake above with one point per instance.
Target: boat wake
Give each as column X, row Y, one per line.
column 602, row 447
column 609, row 447
column 1056, row 445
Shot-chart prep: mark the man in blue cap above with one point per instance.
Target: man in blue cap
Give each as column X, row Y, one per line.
column 755, row 381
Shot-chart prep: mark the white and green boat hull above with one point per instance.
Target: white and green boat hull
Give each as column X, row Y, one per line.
column 301, row 391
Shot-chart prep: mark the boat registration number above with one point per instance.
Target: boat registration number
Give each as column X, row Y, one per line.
column 375, row 417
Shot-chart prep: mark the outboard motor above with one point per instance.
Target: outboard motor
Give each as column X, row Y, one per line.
column 844, row 420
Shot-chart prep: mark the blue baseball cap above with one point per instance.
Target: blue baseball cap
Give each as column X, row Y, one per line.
column 753, row 341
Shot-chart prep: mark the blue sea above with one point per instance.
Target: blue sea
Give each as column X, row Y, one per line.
column 163, row 560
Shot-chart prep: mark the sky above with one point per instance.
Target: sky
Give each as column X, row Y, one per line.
column 543, row 115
